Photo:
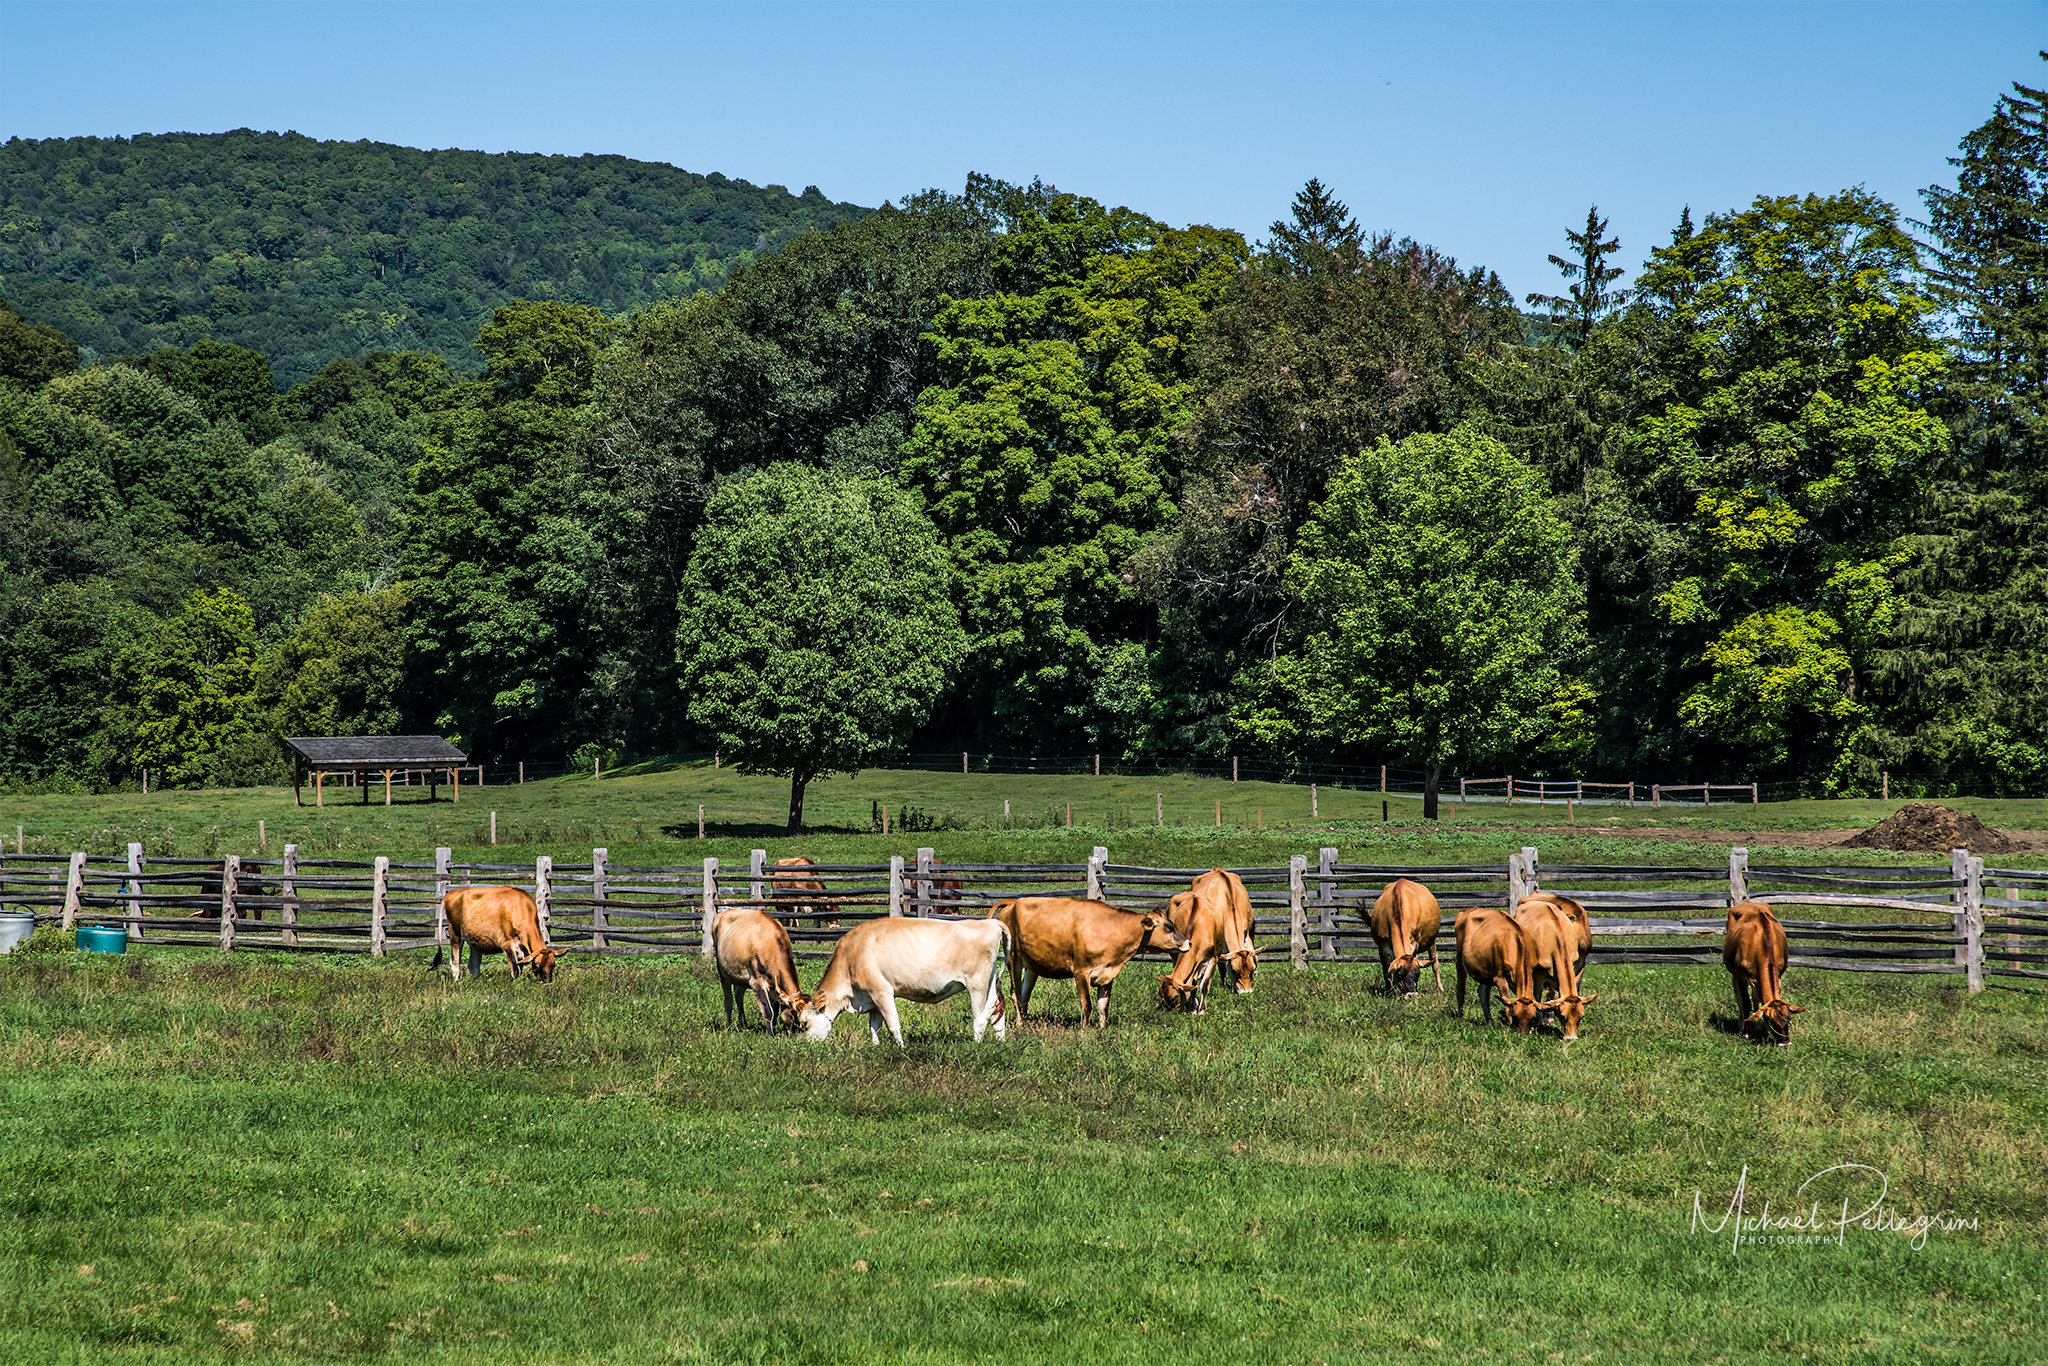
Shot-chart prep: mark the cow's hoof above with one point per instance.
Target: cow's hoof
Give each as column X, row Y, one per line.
column 1410, row 995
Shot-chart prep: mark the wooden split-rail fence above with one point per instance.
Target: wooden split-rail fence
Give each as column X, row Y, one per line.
column 1935, row 919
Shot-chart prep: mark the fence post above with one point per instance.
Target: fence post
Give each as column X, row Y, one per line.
column 1516, row 891
column 1529, row 870
column 544, row 892
column 1959, row 869
column 74, row 889
column 230, row 874
column 598, row 859
column 290, row 911
column 1097, row 862
column 710, row 914
column 1326, row 894
column 1511, row 789
column 1631, row 796
column 963, row 762
column 896, row 884
column 757, row 862
column 1315, row 809
column 1752, row 794
column 380, row 891
column 1738, row 875
column 1973, row 920
column 924, row 883
column 1297, row 894
column 444, row 878
column 134, row 890
column 1656, row 796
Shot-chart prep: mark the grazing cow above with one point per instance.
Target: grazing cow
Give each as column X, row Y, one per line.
column 496, row 920
column 753, row 953
column 917, row 960
column 213, row 879
column 1405, row 921
column 1582, row 928
column 1216, row 916
column 1554, row 955
column 1754, row 952
column 1089, row 941
column 786, row 891
column 1493, row 951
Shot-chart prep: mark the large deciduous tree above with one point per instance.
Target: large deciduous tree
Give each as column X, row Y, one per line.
column 1331, row 341
column 815, row 628
column 1043, row 455
column 1440, row 607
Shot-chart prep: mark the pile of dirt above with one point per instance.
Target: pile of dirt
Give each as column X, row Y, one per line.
column 1935, row 828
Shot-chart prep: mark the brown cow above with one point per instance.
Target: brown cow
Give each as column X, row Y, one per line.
column 1582, row 928
column 753, row 953
column 1089, row 941
column 1216, row 916
column 1405, row 922
column 917, row 960
column 1493, row 951
column 785, row 889
column 1754, row 952
column 1553, row 938
column 212, row 880
column 496, row 920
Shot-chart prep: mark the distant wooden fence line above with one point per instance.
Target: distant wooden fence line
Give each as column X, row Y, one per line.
column 1640, row 913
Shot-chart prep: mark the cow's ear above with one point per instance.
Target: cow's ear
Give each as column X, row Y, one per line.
column 1796, row 1010
column 1589, row 998
column 516, row 951
column 1152, row 922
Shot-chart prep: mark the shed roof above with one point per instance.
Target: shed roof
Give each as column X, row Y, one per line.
column 376, row 751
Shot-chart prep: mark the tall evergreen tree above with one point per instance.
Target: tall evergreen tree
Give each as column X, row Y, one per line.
column 1586, row 298
column 1969, row 671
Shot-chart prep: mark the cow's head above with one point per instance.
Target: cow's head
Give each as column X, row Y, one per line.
column 1180, row 909
column 1175, row 995
column 1242, row 965
column 1520, row 1011
column 1570, row 1010
column 1404, row 974
column 1159, row 933
column 542, row 960
column 794, row 1003
column 813, row 1020
column 1776, row 1018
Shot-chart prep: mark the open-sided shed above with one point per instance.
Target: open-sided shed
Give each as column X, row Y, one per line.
column 368, row 755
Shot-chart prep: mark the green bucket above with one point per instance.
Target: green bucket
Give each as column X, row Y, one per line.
column 102, row 939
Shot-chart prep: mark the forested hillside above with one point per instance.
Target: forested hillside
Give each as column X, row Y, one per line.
column 308, row 250
column 1016, row 470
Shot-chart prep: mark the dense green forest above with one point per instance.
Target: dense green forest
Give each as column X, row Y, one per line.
column 308, row 250
column 1013, row 470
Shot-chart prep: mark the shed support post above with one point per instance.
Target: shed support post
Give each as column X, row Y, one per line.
column 1326, row 897
column 1098, row 861
column 444, row 878
column 710, row 914
column 134, row 890
column 319, row 787
column 1297, row 897
column 599, row 880
column 289, row 913
column 380, row 901
column 896, row 884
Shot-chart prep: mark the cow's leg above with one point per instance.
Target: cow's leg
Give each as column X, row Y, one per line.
column 1102, row 1004
column 1435, row 971
column 1461, row 988
column 1082, row 987
column 1027, row 978
column 476, row 960
column 887, row 1003
column 1202, row 976
column 770, row 1009
column 1387, row 972
column 1741, row 1003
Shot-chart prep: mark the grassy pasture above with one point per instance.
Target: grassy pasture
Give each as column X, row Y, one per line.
column 277, row 1159
column 274, row 1158
column 648, row 815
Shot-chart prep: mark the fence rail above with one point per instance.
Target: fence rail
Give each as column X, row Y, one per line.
column 1915, row 919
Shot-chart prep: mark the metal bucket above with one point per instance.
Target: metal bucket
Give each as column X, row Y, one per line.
column 102, row 939
column 15, row 929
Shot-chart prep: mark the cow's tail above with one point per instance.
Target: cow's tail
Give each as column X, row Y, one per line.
column 995, row 970
column 437, row 957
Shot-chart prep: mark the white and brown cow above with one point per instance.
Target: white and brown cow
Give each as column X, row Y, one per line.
column 910, row 959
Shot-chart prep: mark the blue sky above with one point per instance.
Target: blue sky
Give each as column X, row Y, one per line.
column 1483, row 129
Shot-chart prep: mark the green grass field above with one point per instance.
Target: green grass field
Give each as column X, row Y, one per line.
column 273, row 1158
